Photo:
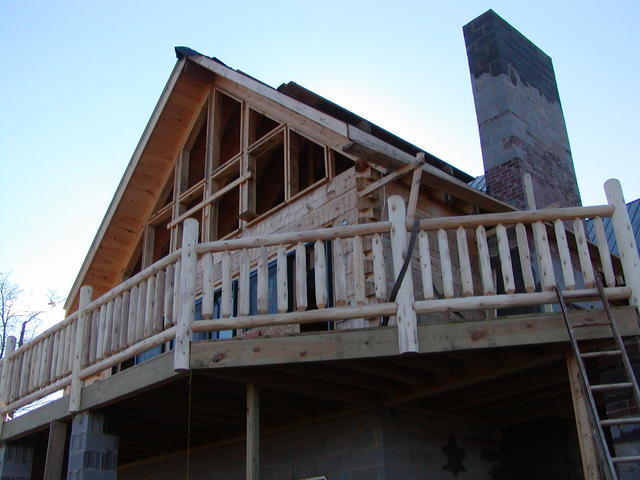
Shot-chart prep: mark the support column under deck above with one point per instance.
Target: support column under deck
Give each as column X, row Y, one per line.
column 54, row 462
column 253, row 432
column 93, row 454
column 586, row 435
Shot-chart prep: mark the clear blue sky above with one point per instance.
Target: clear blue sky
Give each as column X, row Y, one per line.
column 79, row 81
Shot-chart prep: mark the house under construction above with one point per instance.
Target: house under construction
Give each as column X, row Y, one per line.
column 283, row 290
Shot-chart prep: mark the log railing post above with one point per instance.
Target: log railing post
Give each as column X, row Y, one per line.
column 625, row 239
column 86, row 292
column 407, row 319
column 187, row 294
column 5, row 381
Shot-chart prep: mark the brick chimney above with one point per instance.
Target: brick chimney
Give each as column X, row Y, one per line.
column 522, row 128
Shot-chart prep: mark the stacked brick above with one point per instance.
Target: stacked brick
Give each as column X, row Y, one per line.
column 520, row 118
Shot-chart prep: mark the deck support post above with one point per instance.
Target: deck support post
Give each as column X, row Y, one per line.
column 86, row 293
column 406, row 316
column 186, row 294
column 55, row 450
column 253, row 432
column 584, row 426
column 625, row 239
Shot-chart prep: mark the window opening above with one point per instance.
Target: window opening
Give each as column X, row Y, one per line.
column 197, row 153
column 341, row 162
column 228, row 121
column 259, row 126
column 135, row 263
column 269, row 175
column 166, row 197
column 307, row 163
column 227, row 213
column 161, row 241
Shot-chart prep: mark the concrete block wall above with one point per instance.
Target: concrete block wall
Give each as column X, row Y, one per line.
column 372, row 446
column 93, row 454
column 15, row 462
column 418, row 447
column 520, row 118
column 349, row 448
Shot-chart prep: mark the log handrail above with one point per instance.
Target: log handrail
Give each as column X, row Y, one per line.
column 156, row 305
column 291, row 238
column 512, row 218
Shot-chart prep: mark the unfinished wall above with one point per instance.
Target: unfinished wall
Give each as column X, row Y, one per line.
column 546, row 448
column 418, row 447
column 522, row 128
column 372, row 446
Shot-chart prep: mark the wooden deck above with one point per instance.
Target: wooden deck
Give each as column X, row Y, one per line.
column 367, row 351
column 464, row 276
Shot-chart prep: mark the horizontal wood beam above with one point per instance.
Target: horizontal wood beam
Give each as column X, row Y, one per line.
column 270, row 378
column 374, row 150
column 390, row 177
column 475, row 375
column 531, row 329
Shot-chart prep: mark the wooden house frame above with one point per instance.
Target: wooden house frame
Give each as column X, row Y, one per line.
column 279, row 216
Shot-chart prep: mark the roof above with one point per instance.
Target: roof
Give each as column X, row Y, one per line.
column 318, row 102
column 479, row 183
column 314, row 100
column 185, row 91
column 634, row 215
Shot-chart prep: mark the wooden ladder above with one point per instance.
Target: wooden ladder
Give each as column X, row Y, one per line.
column 618, row 350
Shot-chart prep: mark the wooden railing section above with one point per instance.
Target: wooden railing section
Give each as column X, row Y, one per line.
column 535, row 241
column 459, row 264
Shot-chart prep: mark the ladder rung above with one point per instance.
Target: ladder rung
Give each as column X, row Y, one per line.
column 632, row 458
column 602, row 353
column 611, row 386
column 620, row 421
column 590, row 324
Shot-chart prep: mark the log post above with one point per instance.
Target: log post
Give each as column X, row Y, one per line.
column 86, row 292
column 5, row 382
column 625, row 239
column 253, row 432
column 187, row 294
column 586, row 435
column 407, row 320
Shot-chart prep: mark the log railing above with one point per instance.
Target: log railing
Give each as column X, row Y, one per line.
column 526, row 253
column 468, row 263
column 352, row 247
column 133, row 317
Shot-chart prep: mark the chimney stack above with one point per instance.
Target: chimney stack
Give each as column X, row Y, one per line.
column 522, row 128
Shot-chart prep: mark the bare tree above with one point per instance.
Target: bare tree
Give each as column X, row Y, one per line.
column 13, row 319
